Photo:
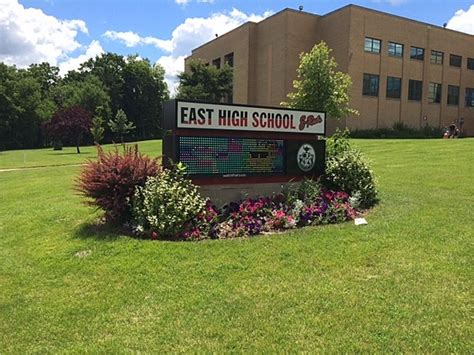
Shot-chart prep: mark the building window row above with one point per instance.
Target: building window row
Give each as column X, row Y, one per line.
column 370, row 87
column 395, row 49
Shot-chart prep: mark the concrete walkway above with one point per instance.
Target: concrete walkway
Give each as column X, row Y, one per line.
column 38, row 167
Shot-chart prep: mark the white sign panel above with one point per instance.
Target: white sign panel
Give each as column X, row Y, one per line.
column 246, row 118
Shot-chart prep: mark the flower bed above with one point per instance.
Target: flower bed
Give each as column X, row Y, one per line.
column 252, row 217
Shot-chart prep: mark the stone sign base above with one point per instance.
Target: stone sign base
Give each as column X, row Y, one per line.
column 220, row 195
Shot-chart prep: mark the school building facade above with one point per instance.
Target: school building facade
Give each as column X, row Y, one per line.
column 402, row 70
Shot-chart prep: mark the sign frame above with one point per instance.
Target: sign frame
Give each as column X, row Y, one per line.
column 171, row 146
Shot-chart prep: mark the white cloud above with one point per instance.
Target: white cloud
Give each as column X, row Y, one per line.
column 190, row 34
column 196, row 31
column 28, row 35
column 94, row 49
column 129, row 38
column 132, row 39
column 173, row 66
column 463, row 21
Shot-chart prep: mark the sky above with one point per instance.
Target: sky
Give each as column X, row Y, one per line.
column 68, row 32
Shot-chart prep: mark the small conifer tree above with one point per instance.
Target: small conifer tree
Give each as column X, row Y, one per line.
column 121, row 125
column 97, row 129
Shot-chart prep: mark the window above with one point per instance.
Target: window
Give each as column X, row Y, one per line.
column 436, row 57
column 417, row 53
column 453, row 95
column 415, row 89
column 434, row 93
column 217, row 63
column 394, row 87
column 470, row 63
column 455, row 60
column 371, row 85
column 372, row 45
column 395, row 49
column 229, row 59
column 470, row 97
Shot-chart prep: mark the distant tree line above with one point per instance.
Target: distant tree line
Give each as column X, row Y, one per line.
column 30, row 98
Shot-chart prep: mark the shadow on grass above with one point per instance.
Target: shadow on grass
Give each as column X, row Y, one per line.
column 108, row 233
column 101, row 231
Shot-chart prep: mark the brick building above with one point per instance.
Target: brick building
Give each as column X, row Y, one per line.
column 402, row 70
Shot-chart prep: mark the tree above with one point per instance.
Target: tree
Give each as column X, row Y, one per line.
column 108, row 67
column 97, row 129
column 121, row 125
column 70, row 125
column 319, row 86
column 88, row 93
column 205, row 83
column 144, row 91
column 24, row 105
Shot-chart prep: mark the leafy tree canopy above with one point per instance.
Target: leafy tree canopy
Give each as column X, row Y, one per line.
column 205, row 82
column 70, row 125
column 319, row 86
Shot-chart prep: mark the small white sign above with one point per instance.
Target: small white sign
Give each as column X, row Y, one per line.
column 198, row 115
column 360, row 221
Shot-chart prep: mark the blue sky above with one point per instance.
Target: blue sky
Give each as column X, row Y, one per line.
column 66, row 32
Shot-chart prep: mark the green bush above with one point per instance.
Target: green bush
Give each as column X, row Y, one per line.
column 399, row 130
column 166, row 204
column 307, row 191
column 349, row 171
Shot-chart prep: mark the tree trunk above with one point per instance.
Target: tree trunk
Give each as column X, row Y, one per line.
column 77, row 146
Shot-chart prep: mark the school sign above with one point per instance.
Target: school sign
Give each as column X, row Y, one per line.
column 231, row 144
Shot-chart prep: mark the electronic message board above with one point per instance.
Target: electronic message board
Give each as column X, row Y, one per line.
column 222, row 143
column 232, row 156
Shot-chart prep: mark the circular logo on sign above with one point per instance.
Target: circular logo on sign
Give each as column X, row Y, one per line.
column 306, row 157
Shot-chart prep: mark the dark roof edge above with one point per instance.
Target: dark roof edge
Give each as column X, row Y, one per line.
column 396, row 16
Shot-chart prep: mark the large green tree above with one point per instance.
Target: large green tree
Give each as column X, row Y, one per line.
column 144, row 92
column 88, row 93
column 108, row 68
column 319, row 86
column 23, row 108
column 205, row 82
column 29, row 97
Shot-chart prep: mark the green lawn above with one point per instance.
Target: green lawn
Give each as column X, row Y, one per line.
column 403, row 283
column 68, row 156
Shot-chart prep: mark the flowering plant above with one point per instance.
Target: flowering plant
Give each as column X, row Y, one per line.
column 170, row 206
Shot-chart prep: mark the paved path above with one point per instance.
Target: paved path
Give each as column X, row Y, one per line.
column 38, row 167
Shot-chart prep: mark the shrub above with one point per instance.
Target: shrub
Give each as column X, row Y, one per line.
column 170, row 205
column 349, row 171
column 307, row 190
column 69, row 126
column 399, row 130
column 110, row 181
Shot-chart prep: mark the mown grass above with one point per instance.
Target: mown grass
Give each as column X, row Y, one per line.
column 403, row 283
column 32, row 158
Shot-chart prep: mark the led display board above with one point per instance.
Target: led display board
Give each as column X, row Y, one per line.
column 222, row 143
column 231, row 156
